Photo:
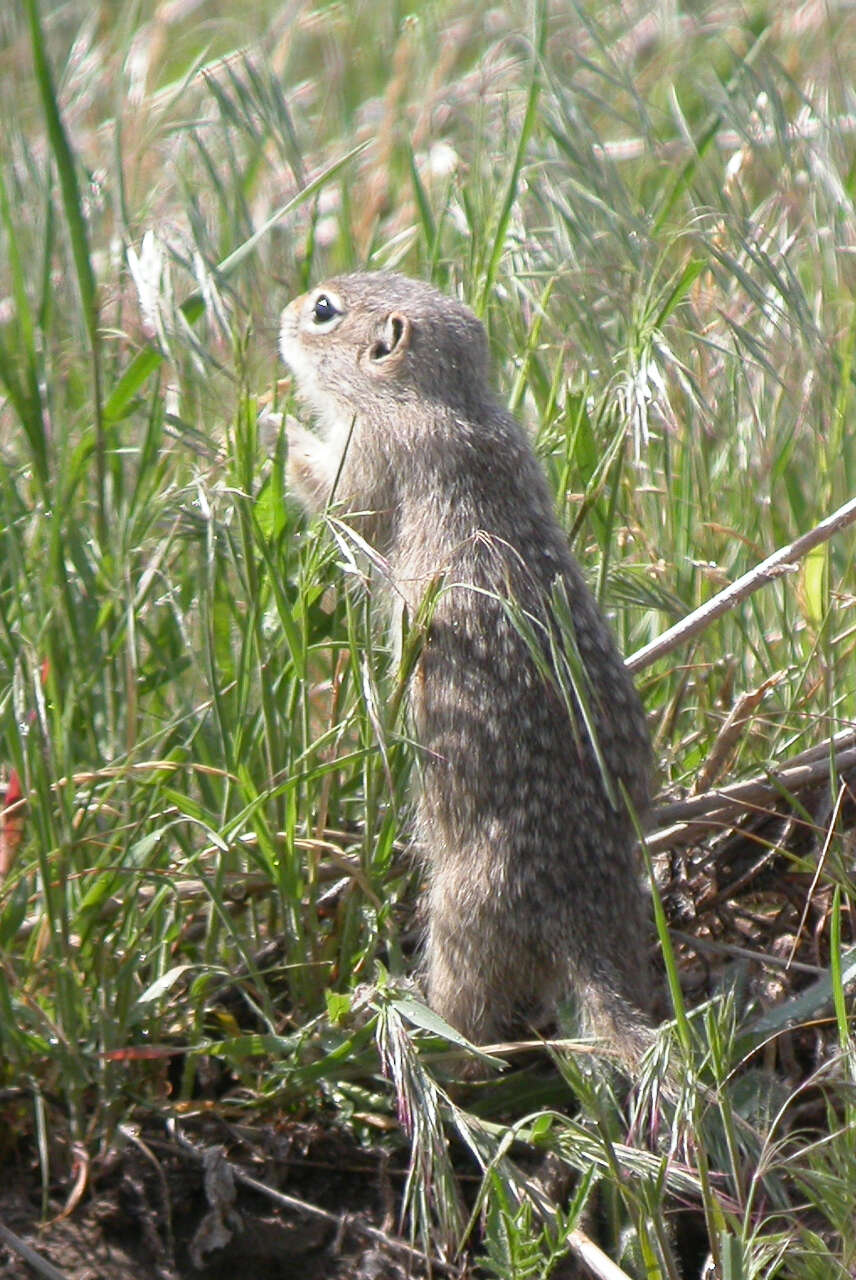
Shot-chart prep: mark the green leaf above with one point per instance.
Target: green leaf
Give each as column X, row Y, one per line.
column 141, row 367
column 429, row 229
column 269, row 508
column 338, row 1005
column 163, row 984
column 103, row 885
column 814, row 579
column 421, row 1016
column 679, row 289
column 732, row 1254
column 541, row 1128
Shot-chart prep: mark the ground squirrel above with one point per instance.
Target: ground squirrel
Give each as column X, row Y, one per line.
column 533, row 890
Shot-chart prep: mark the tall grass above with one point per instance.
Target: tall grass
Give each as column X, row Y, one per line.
column 654, row 215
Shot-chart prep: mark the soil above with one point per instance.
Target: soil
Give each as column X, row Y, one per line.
column 154, row 1209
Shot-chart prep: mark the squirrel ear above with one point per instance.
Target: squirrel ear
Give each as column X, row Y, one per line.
column 391, row 345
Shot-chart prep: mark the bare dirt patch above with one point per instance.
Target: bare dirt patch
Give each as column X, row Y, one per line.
column 156, row 1209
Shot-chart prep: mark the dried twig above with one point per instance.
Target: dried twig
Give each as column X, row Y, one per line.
column 732, row 730
column 338, row 1220
column 33, row 1259
column 720, row 949
column 685, row 820
column 781, row 561
column 594, row 1258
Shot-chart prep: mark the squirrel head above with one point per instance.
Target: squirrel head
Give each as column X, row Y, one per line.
column 371, row 342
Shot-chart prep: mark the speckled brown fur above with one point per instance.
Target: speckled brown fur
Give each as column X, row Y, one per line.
column 534, row 890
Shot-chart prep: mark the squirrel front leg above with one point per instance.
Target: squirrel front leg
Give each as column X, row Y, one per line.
column 311, row 467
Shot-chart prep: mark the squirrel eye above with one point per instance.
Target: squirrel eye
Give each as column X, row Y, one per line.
column 324, row 310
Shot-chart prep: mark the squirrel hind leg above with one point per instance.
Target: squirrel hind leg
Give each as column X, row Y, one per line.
column 459, row 989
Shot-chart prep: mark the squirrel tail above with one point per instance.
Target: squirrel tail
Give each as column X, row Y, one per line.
column 628, row 1032
column 619, row 1022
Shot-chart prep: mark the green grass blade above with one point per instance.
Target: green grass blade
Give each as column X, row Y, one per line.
column 64, row 158
column 530, row 120
column 23, row 388
column 684, row 177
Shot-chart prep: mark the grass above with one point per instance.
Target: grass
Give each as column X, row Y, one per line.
column 655, row 217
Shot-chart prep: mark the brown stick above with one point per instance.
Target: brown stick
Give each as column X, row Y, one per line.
column 721, row 807
column 781, row 561
column 30, row 1256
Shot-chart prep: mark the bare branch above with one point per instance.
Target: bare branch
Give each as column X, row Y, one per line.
column 782, row 561
column 685, row 820
column 30, row 1256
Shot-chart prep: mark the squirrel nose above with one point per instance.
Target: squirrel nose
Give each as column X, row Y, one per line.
column 292, row 308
